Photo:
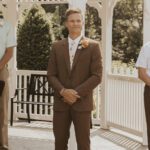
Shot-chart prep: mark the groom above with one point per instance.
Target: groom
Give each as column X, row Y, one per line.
column 74, row 70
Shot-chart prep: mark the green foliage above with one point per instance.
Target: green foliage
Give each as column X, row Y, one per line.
column 92, row 24
column 37, row 30
column 34, row 40
column 127, row 30
column 54, row 13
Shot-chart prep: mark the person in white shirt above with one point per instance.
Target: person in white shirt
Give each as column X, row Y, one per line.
column 7, row 43
column 143, row 65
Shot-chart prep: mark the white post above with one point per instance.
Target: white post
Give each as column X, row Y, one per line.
column 146, row 38
column 81, row 4
column 107, row 14
column 12, row 18
column 146, row 21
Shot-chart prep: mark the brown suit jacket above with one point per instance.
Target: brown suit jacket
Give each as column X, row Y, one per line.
column 85, row 75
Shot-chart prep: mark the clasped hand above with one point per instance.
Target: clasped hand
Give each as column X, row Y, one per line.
column 70, row 96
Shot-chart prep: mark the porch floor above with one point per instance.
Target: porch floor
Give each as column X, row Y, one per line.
column 38, row 135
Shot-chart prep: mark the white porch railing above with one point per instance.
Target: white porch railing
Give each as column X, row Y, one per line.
column 125, row 108
column 44, row 112
column 125, row 103
column 36, row 112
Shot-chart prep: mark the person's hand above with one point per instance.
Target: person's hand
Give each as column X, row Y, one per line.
column 70, row 96
column 1, row 66
column 68, row 102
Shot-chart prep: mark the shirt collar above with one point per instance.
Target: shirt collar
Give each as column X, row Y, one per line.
column 75, row 40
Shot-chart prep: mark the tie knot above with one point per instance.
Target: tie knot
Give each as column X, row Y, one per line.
column 72, row 43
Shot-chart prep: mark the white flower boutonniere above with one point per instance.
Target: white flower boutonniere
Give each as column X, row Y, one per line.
column 84, row 43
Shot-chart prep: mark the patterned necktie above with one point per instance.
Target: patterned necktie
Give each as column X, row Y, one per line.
column 72, row 53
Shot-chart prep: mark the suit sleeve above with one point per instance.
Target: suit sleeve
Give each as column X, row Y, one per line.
column 95, row 71
column 52, row 71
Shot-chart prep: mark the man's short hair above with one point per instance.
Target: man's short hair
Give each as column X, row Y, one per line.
column 71, row 11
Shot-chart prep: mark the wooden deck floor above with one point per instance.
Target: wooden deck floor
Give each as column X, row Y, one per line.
column 39, row 135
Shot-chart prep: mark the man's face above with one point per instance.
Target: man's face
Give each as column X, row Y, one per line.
column 74, row 23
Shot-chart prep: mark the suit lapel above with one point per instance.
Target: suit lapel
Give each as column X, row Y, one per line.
column 67, row 57
column 77, row 54
column 66, row 54
column 76, row 58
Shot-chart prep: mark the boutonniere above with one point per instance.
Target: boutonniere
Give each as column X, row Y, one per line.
column 84, row 43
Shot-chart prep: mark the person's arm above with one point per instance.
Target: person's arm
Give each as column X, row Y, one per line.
column 96, row 73
column 142, row 72
column 10, row 44
column 52, row 72
column 7, row 56
column 69, row 95
column 142, row 64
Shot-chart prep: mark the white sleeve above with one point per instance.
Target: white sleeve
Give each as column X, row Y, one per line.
column 142, row 60
column 11, row 40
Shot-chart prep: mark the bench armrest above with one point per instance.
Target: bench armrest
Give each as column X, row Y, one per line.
column 17, row 90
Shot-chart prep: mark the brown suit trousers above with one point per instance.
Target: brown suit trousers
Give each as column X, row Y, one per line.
column 61, row 127
column 147, row 110
column 4, row 110
column 84, row 76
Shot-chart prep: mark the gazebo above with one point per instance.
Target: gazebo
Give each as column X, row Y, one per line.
column 119, row 104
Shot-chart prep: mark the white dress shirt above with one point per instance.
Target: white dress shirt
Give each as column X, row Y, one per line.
column 7, row 37
column 73, row 45
column 143, row 60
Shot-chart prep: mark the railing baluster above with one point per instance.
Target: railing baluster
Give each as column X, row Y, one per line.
column 124, row 105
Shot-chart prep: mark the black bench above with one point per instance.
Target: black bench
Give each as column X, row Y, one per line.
column 37, row 86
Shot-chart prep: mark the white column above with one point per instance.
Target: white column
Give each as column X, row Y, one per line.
column 146, row 21
column 81, row 4
column 146, row 38
column 107, row 14
column 12, row 18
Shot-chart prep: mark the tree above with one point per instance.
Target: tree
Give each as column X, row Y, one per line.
column 56, row 14
column 127, row 30
column 34, row 40
column 92, row 23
